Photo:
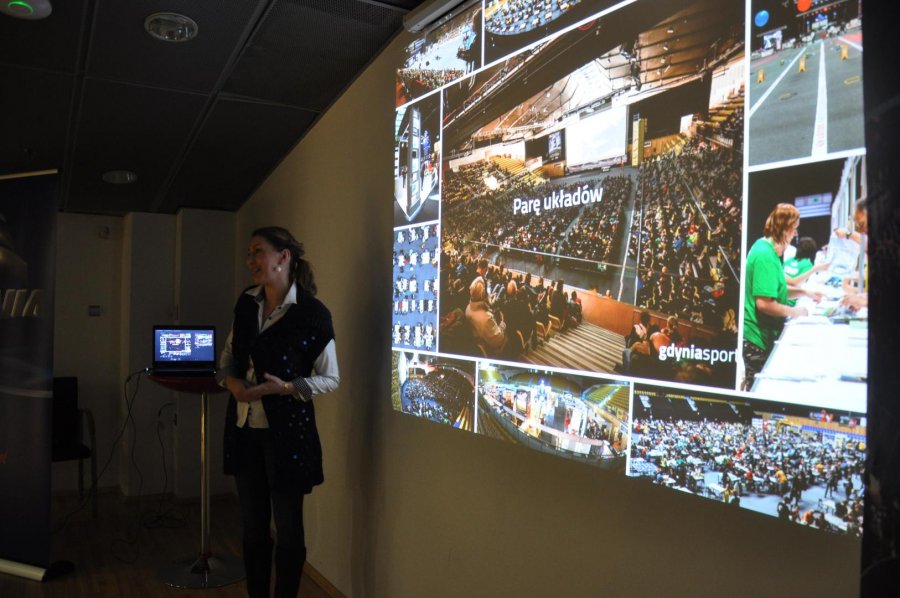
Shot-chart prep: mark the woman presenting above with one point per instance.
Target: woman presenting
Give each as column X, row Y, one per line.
column 279, row 355
column 766, row 292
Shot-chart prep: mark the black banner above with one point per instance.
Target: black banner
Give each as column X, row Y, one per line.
column 27, row 257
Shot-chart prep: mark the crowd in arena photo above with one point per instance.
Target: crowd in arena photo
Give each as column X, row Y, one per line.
column 448, row 54
column 733, row 127
column 468, row 181
column 486, row 307
column 808, row 477
column 418, row 80
column 490, row 219
column 593, row 235
column 688, row 241
column 496, row 311
column 506, row 17
column 415, row 260
column 440, row 396
column 419, row 403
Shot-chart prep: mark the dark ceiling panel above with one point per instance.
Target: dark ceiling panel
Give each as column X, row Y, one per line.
column 34, row 112
column 307, row 51
column 240, row 144
column 50, row 43
column 355, row 10
column 122, row 50
column 124, row 127
column 87, row 90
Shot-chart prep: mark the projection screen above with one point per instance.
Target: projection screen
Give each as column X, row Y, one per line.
column 634, row 235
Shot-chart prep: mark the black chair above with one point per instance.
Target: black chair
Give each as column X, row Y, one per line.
column 68, row 437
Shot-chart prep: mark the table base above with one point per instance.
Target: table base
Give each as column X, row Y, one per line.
column 203, row 572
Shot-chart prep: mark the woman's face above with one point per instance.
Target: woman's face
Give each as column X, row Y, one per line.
column 263, row 261
column 792, row 231
column 861, row 220
column 789, row 234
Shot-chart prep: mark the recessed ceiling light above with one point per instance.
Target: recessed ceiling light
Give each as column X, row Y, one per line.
column 170, row 27
column 26, row 9
column 119, row 177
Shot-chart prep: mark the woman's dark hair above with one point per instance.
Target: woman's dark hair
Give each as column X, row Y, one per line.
column 281, row 239
column 807, row 248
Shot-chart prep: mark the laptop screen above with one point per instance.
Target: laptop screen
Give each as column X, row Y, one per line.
column 184, row 347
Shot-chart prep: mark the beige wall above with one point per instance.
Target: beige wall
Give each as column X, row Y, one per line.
column 203, row 283
column 148, row 298
column 88, row 258
column 143, row 269
column 410, row 508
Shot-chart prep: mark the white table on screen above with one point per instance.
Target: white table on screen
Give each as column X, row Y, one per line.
column 808, row 362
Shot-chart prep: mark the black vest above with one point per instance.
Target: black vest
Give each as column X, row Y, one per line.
column 287, row 349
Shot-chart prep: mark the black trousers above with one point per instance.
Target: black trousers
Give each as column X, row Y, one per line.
column 258, row 503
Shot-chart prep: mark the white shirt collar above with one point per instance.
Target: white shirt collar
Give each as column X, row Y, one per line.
column 289, row 299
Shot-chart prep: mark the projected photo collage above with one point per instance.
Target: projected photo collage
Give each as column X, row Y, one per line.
column 578, row 417
column 415, row 267
column 435, row 388
column 596, row 230
column 805, row 293
column 800, row 464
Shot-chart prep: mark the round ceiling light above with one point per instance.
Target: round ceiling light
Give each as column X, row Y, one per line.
column 26, row 9
column 119, row 177
column 170, row 27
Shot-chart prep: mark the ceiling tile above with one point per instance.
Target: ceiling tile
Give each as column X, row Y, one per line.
column 122, row 50
column 307, row 51
column 240, row 144
column 202, row 123
column 124, row 127
column 34, row 108
column 50, row 43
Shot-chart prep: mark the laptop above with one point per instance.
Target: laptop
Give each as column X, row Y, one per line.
column 184, row 350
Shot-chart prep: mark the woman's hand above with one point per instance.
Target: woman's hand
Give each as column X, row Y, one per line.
column 274, row 386
column 240, row 389
column 771, row 307
column 849, row 284
column 815, row 295
column 798, row 312
column 244, row 393
column 855, row 302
